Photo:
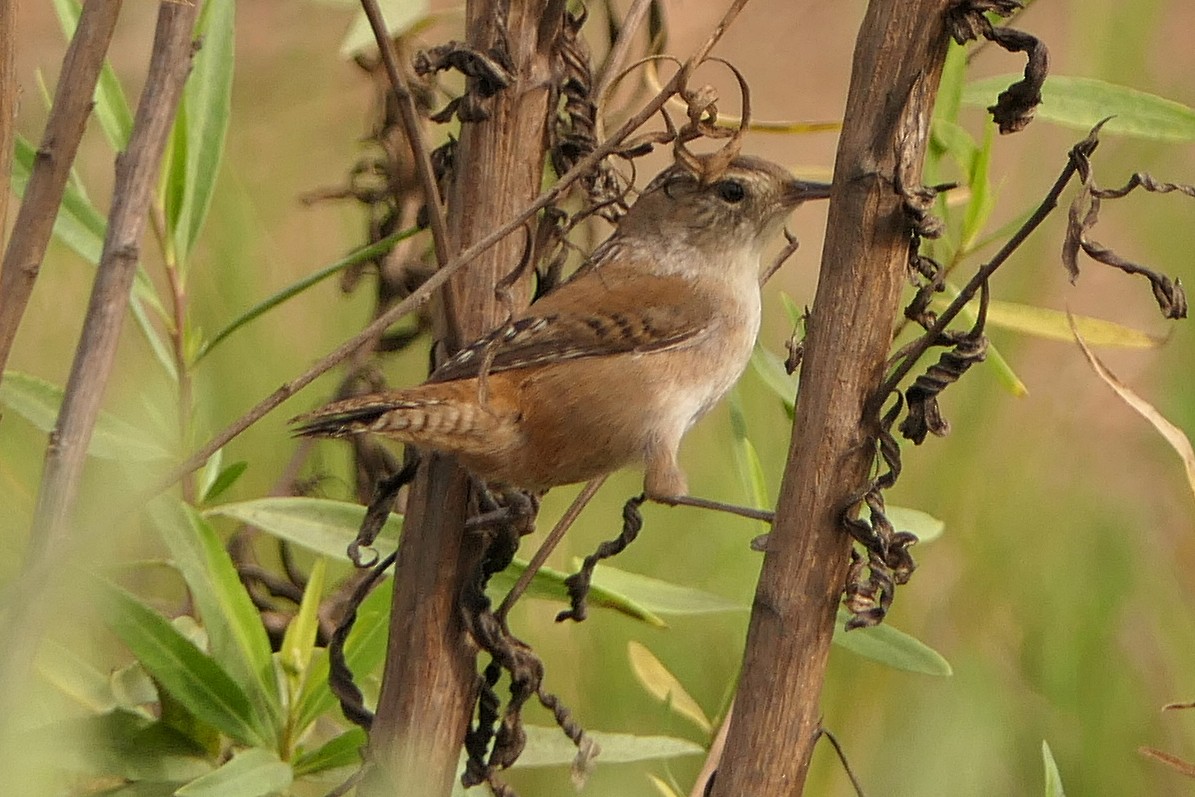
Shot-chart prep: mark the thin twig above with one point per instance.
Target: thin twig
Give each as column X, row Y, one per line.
column 136, row 179
column 842, row 759
column 414, row 131
column 422, row 295
column 622, row 46
column 713, row 756
column 52, row 166
column 8, row 107
column 548, row 545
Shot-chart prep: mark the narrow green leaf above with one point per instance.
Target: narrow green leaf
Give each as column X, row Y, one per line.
column 1042, row 322
column 299, row 640
column 770, row 368
column 78, row 224
column 887, row 645
column 121, row 744
column 364, row 651
column 1053, row 778
column 327, row 527
column 400, row 16
column 81, row 228
column 238, row 639
column 192, row 677
column 75, row 678
column 361, row 255
column 982, row 200
column 1082, row 102
column 662, row 597
column 950, row 87
column 549, row 584
column 317, row 524
column 662, row 786
column 927, row 527
column 38, row 401
column 203, row 116
column 225, row 479
column 341, row 751
column 211, row 469
column 746, row 458
column 995, row 360
column 661, row 684
column 953, row 139
column 250, row 773
column 111, row 107
column 548, row 747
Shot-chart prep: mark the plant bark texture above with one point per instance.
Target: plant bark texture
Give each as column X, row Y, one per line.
column 897, row 65
column 55, row 155
column 66, row 453
column 430, row 680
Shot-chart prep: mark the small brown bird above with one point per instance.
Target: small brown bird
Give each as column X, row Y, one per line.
column 614, row 366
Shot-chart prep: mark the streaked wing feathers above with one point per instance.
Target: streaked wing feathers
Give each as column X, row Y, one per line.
column 654, row 314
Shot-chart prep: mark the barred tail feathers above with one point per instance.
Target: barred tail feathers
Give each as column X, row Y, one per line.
column 445, row 416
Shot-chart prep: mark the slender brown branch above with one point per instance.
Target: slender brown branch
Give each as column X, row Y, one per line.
column 43, row 194
column 548, row 545
column 713, row 757
column 622, row 46
column 897, row 64
column 136, row 178
column 413, row 128
column 422, row 295
column 8, row 110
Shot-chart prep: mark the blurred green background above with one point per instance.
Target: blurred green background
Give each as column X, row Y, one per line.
column 1060, row 589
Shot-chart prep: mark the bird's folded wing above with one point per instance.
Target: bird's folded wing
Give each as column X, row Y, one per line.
column 595, row 315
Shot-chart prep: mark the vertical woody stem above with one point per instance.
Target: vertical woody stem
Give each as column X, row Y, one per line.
column 136, row 177
column 430, row 679
column 55, row 154
column 897, row 64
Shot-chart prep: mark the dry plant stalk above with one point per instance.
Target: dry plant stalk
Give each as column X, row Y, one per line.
column 430, row 680
column 55, row 155
column 136, row 179
column 897, row 63
column 8, row 111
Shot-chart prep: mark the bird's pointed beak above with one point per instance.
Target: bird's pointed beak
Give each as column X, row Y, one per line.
column 798, row 191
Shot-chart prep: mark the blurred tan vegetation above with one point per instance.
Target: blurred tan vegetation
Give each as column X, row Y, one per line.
column 1060, row 591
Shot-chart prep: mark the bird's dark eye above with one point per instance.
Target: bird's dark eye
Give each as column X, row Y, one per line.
column 731, row 191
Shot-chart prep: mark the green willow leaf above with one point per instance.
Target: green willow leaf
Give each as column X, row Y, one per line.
column 1082, row 102
column 327, row 527
column 361, row 255
column 192, row 677
column 661, row 684
column 238, row 638
column 341, row 751
column 250, row 773
column 201, row 126
column 548, row 747
column 887, row 645
column 1042, row 322
column 38, row 401
column 111, row 106
column 1053, row 778
column 364, row 651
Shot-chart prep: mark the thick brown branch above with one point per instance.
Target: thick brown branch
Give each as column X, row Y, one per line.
column 897, row 63
column 55, row 154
